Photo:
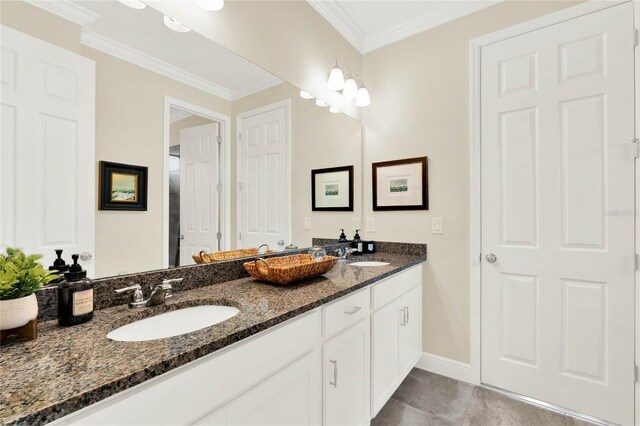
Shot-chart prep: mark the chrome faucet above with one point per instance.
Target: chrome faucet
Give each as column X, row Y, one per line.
column 344, row 253
column 159, row 295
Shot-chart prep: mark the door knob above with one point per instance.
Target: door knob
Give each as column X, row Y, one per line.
column 491, row 258
column 85, row 256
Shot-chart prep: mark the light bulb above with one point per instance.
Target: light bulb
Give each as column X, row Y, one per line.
column 362, row 98
column 321, row 103
column 175, row 25
column 133, row 4
column 336, row 79
column 334, row 110
column 212, row 5
column 305, row 95
column 350, row 89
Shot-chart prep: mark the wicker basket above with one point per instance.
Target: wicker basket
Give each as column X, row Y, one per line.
column 219, row 256
column 289, row 269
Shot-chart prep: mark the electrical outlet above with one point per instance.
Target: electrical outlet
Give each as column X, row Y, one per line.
column 355, row 223
column 307, row 223
column 436, row 225
column 371, row 225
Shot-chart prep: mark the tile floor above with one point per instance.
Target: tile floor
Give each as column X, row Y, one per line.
column 429, row 399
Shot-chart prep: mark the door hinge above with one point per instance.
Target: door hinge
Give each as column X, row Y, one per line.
column 239, row 235
column 219, row 236
column 637, row 262
column 636, row 36
column 635, row 373
column 219, row 187
column 219, row 139
column 239, row 186
column 239, row 136
column 636, row 147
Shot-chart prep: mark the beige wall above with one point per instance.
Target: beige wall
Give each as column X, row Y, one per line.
column 287, row 38
column 130, row 129
column 419, row 88
column 319, row 139
column 40, row 24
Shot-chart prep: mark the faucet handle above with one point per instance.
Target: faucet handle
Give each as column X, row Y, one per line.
column 136, row 296
column 172, row 281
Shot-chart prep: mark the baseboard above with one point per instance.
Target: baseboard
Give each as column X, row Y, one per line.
column 445, row 367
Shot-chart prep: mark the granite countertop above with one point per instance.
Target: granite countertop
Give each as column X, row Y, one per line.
column 67, row 369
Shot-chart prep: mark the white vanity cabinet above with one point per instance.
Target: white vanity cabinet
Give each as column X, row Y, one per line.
column 346, row 381
column 336, row 365
column 396, row 330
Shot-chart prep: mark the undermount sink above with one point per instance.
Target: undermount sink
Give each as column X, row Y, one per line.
column 173, row 323
column 369, row 263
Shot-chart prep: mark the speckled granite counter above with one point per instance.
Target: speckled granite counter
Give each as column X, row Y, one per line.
column 66, row 369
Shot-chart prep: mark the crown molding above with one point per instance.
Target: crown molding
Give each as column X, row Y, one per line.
column 126, row 53
column 258, row 86
column 66, row 9
column 341, row 21
column 333, row 13
column 417, row 25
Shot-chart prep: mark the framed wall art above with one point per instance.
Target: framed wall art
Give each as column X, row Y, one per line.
column 332, row 189
column 400, row 185
column 122, row 187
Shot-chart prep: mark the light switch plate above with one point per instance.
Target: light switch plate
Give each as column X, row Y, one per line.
column 371, row 224
column 307, row 223
column 436, row 225
column 355, row 223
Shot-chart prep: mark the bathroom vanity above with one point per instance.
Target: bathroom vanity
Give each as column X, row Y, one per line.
column 330, row 350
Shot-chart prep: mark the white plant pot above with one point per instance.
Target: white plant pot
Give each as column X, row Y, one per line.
column 18, row 312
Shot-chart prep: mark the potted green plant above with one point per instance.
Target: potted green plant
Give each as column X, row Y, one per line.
column 20, row 277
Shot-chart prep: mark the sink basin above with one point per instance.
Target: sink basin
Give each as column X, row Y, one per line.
column 369, row 263
column 173, row 323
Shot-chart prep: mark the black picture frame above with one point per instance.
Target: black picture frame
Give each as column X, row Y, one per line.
column 132, row 192
column 423, row 179
column 314, row 179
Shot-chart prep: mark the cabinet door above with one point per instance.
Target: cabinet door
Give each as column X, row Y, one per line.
column 217, row 418
column 347, row 372
column 385, row 355
column 290, row 397
column 410, row 329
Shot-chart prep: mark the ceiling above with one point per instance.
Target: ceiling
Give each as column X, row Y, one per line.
column 372, row 24
column 140, row 37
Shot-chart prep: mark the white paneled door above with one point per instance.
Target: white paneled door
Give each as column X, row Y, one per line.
column 199, row 191
column 557, row 229
column 264, row 177
column 47, row 154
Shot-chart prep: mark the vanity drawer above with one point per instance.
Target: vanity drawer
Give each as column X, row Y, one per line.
column 346, row 311
column 395, row 286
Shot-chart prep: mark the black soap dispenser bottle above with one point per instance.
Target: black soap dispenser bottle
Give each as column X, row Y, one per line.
column 357, row 243
column 343, row 237
column 75, row 296
column 59, row 267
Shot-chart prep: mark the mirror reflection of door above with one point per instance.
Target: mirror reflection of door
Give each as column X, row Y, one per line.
column 194, row 216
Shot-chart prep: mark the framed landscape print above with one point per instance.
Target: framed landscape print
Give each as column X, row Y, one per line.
column 332, row 189
column 122, row 187
column 400, row 185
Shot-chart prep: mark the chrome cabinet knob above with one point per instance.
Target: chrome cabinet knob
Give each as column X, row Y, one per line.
column 491, row 258
column 181, row 236
column 85, row 256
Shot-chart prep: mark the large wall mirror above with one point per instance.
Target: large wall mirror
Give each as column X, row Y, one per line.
column 226, row 148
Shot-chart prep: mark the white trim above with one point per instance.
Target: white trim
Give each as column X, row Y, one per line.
column 636, row 23
column 333, row 13
column 445, row 367
column 141, row 59
column 225, row 200
column 475, row 245
column 286, row 103
column 66, row 9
